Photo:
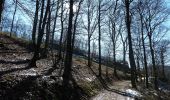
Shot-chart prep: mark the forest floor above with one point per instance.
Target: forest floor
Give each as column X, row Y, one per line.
column 18, row 81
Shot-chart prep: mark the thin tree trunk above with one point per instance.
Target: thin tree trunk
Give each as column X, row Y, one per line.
column 54, row 26
column 62, row 30
column 48, row 31
column 114, row 49
column 153, row 64
column 99, row 39
column 13, row 18
column 89, row 36
column 89, row 53
column 144, row 54
column 35, row 24
column 75, row 24
column 124, row 53
column 163, row 66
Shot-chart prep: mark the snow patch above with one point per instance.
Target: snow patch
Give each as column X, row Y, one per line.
column 30, row 72
column 133, row 92
column 90, row 79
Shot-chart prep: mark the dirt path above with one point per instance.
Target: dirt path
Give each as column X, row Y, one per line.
column 119, row 91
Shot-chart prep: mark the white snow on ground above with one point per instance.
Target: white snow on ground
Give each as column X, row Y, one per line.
column 30, row 72
column 108, row 95
column 133, row 92
column 90, row 79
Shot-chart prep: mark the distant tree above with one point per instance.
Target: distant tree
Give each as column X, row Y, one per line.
column 76, row 23
column 154, row 12
column 54, row 24
column 108, row 55
column 140, row 10
column 103, row 6
column 114, row 31
column 91, row 25
column 163, row 47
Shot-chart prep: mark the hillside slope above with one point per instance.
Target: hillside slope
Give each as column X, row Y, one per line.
column 18, row 81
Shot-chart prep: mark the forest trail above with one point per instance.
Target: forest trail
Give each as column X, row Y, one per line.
column 120, row 90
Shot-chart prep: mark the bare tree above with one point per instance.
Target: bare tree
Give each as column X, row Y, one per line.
column 35, row 24
column 140, row 10
column 91, row 24
column 151, row 23
column 76, row 22
column 69, row 52
column 131, row 54
column 42, row 24
column 162, row 48
column 62, row 29
column 115, row 28
column 54, row 24
column 48, row 31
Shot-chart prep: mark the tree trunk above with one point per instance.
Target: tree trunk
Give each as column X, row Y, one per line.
column 153, row 63
column 75, row 24
column 54, row 26
column 68, row 56
column 89, row 53
column 163, row 65
column 131, row 55
column 144, row 54
column 124, row 53
column 99, row 39
column 35, row 24
column 89, row 36
column 138, row 68
column 114, row 61
column 62, row 30
column 41, row 33
column 48, row 31
column 1, row 8
column 13, row 18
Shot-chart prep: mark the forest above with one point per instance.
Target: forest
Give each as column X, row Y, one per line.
column 84, row 50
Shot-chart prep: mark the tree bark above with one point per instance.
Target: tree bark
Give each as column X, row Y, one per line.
column 131, row 55
column 153, row 63
column 68, row 56
column 163, row 65
column 75, row 24
column 13, row 18
column 48, row 31
column 62, row 30
column 41, row 33
column 54, row 26
column 1, row 8
column 35, row 24
column 144, row 54
column 99, row 39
